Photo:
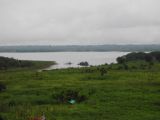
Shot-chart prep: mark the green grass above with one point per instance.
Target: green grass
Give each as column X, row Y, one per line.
column 118, row 95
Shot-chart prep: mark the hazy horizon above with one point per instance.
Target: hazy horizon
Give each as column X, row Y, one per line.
column 79, row 22
column 125, row 44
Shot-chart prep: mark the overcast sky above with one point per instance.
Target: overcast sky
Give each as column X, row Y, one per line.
column 61, row 22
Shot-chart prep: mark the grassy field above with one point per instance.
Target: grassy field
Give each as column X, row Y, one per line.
column 120, row 94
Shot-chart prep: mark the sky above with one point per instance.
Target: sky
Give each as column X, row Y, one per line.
column 79, row 22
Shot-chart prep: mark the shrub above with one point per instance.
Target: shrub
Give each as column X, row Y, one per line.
column 12, row 103
column 103, row 71
column 133, row 67
column 1, row 118
column 125, row 66
column 148, row 58
column 2, row 87
column 65, row 96
column 156, row 55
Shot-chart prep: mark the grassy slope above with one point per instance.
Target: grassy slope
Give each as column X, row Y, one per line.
column 119, row 95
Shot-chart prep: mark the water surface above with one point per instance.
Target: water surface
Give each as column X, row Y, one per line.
column 62, row 58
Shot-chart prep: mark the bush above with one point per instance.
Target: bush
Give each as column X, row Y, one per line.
column 65, row 96
column 148, row 58
column 1, row 118
column 103, row 71
column 156, row 55
column 125, row 66
column 2, row 87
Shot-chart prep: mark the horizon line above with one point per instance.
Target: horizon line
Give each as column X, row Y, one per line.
column 76, row 44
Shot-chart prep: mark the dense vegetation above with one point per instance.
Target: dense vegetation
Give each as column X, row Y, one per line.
column 107, row 92
column 8, row 63
column 2, row 87
column 136, row 56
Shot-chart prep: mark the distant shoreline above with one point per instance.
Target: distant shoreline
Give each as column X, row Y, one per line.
column 80, row 48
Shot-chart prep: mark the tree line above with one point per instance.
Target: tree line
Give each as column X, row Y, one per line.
column 6, row 63
column 134, row 56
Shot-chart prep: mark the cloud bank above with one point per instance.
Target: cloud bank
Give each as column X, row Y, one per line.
column 65, row 22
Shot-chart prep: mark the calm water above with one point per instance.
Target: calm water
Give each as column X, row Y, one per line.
column 62, row 58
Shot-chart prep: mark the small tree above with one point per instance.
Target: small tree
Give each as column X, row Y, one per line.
column 103, row 71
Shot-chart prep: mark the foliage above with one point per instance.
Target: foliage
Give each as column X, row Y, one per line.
column 103, row 71
column 2, row 87
column 1, row 118
column 65, row 96
column 6, row 63
column 148, row 57
column 121, row 60
column 131, row 94
column 10, row 63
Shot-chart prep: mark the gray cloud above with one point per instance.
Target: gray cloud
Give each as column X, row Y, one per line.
column 79, row 21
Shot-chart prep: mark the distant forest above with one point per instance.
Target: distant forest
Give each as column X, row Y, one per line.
column 80, row 48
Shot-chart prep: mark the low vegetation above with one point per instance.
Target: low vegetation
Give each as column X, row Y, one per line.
column 2, row 87
column 65, row 96
column 128, row 90
column 10, row 63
